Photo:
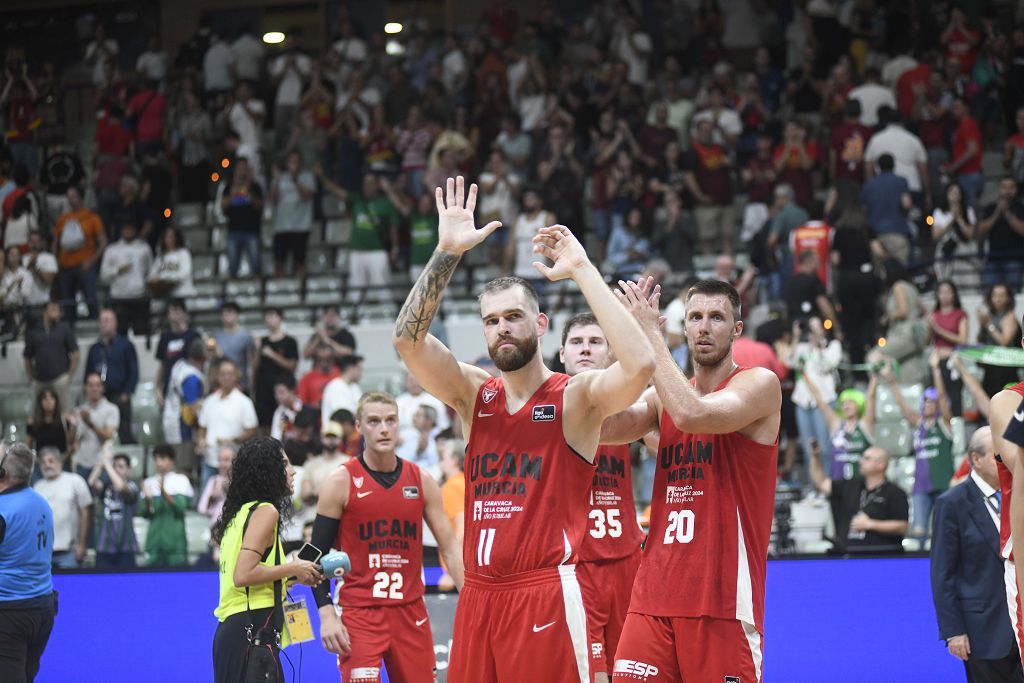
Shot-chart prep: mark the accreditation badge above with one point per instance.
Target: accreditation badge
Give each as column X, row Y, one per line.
column 296, row 620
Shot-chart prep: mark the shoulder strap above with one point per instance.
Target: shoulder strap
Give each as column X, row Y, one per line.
column 277, row 561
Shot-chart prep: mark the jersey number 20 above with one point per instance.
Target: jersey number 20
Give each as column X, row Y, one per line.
column 606, row 523
column 388, row 585
column 680, row 527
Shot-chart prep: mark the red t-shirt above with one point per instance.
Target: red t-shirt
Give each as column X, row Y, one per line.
column 793, row 173
column 710, row 165
column 22, row 119
column 949, row 322
column 849, row 141
column 112, row 137
column 147, row 108
column 965, row 133
column 964, row 46
column 311, row 386
column 814, row 236
column 918, row 75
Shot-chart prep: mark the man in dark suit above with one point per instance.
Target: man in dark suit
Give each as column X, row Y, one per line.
column 967, row 572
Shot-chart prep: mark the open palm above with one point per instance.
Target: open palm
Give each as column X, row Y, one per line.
column 456, row 231
column 557, row 243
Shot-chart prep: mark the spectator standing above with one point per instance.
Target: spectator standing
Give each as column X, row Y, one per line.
column 61, row 169
column 113, row 358
column 249, row 53
column 795, row 160
column 422, row 220
column 291, row 194
column 312, row 384
column 968, row 147
column 22, row 220
column 906, row 327
column 246, row 115
column 78, row 242
column 227, row 418
column 628, row 248
column 675, row 234
column 96, row 421
column 235, row 343
column 116, row 545
column 910, row 161
column 129, row 208
column 998, row 326
column 289, row 72
column 786, row 215
column 815, row 358
column 1002, row 226
column 170, row 276
column 276, row 357
column 412, row 398
column 218, row 69
column 933, row 447
column 870, row 97
column 413, row 143
column 12, row 301
column 18, row 100
column 966, row 571
column 342, row 392
column 519, row 256
column 126, row 264
column 42, row 272
column 870, row 512
column 418, row 444
column 182, row 403
column 515, row 145
column 282, row 424
column 48, row 427
column 51, row 354
column 102, row 54
column 707, row 178
column 165, row 499
column 115, row 148
column 848, row 141
column 146, row 112
column 332, row 332
column 152, row 64
column 887, row 199
column 27, row 602
column 947, row 329
column 852, row 428
column 805, row 293
column 452, row 454
column 211, row 500
column 173, row 344
column 243, row 206
column 194, row 131
column 955, row 233
column 71, row 503
column 560, row 172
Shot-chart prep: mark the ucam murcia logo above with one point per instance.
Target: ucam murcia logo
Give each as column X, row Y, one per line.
column 634, row 670
column 681, row 494
column 488, row 395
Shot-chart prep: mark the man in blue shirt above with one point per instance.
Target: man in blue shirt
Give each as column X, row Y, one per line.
column 887, row 200
column 28, row 602
column 113, row 358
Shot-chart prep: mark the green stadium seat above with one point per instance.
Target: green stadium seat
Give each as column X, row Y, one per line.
column 894, row 437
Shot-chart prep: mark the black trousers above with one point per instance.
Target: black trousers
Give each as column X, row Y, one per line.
column 1005, row 670
column 23, row 637
column 230, row 645
column 124, row 428
column 132, row 314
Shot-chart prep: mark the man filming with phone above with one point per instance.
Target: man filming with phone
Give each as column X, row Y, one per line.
column 373, row 508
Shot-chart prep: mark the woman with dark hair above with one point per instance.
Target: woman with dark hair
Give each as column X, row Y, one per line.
column 947, row 328
column 855, row 282
column 906, row 330
column 47, row 426
column 998, row 326
column 252, row 568
column 957, row 252
column 171, row 273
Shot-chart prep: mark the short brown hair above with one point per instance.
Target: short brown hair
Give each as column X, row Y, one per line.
column 579, row 320
column 374, row 397
column 500, row 284
column 717, row 288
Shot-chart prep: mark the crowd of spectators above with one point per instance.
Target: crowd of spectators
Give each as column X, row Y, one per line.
column 839, row 151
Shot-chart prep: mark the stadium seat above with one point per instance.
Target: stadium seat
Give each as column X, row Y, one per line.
column 246, row 293
column 204, row 267
column 18, row 405
column 319, row 260
column 894, row 437
column 283, row 292
column 337, row 231
column 188, row 215
column 298, row 316
column 197, row 531
column 148, row 432
column 197, row 239
column 322, row 290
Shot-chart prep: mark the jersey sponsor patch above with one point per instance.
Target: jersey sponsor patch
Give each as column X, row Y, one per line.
column 488, row 395
column 366, row 673
column 410, row 492
column 358, row 481
column 634, row 670
column 544, row 413
column 731, row 679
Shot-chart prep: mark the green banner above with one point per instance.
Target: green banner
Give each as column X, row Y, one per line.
column 1005, row 356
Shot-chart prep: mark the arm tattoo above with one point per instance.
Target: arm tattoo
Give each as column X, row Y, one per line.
column 421, row 304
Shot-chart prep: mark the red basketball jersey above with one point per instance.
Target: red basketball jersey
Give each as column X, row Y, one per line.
column 612, row 528
column 814, row 236
column 526, row 488
column 711, row 517
column 1006, row 492
column 382, row 532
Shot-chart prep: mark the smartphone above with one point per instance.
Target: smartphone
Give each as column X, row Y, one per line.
column 310, row 553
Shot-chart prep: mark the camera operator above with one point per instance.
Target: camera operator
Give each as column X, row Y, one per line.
column 28, row 602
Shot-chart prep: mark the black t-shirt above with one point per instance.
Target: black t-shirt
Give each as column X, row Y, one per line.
column 242, row 213
column 345, row 338
column 172, row 347
column 885, row 502
column 802, row 292
column 1015, row 430
column 48, row 434
column 853, row 248
column 136, row 213
column 60, row 171
column 269, row 371
column 1002, row 238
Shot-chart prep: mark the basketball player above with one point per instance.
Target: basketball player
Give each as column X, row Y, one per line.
column 610, row 553
column 1009, row 463
column 532, row 437
column 697, row 609
column 373, row 508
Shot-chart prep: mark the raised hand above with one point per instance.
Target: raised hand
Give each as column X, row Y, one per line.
column 456, row 232
column 641, row 300
column 558, row 244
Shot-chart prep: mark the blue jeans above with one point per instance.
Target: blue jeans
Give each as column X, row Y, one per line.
column 24, row 152
column 921, row 513
column 70, row 281
column 1009, row 272
column 810, row 423
column 250, row 243
column 971, row 184
column 65, row 559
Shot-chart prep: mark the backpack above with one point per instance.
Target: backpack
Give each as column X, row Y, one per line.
column 72, row 237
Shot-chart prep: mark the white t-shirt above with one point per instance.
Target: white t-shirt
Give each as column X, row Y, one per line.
column 289, row 88
column 92, row 52
column 248, row 54
column 225, row 419
column 104, row 415
column 871, row 96
column 246, row 126
column 217, row 67
column 635, row 59
column 675, row 313
column 132, row 283
column 12, row 287
column 454, row 64
column 175, row 484
column 906, row 149
column 820, row 365
column 175, row 266
column 36, row 292
column 500, row 202
column 407, row 405
column 152, row 65
column 409, row 450
column 339, row 394
column 68, row 495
